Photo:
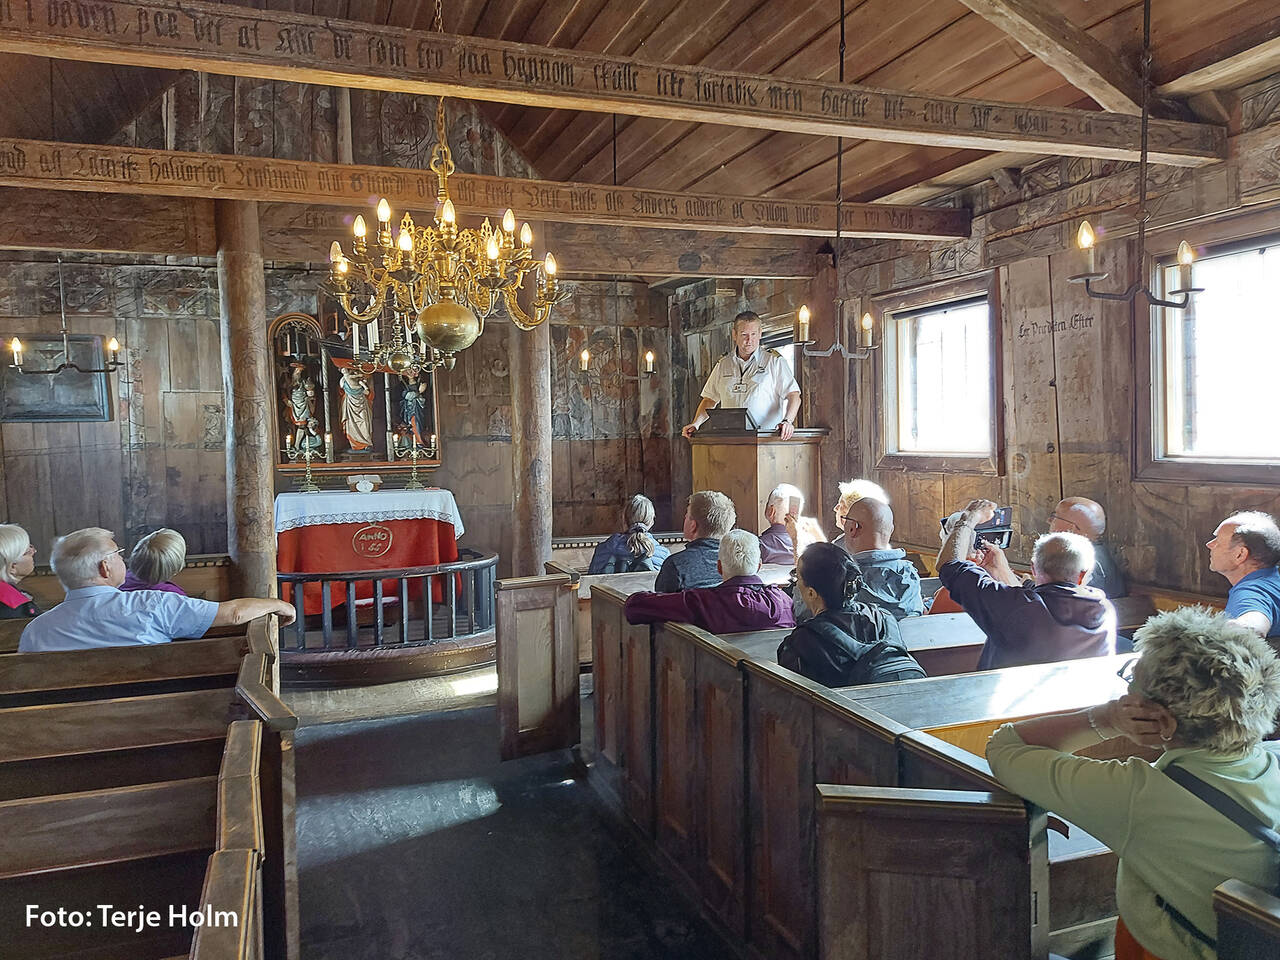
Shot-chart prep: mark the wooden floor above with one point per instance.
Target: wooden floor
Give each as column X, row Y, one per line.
column 415, row 842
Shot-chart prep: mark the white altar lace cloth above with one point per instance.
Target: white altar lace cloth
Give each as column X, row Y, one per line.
column 294, row 510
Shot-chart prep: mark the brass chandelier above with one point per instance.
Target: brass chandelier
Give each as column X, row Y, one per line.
column 413, row 301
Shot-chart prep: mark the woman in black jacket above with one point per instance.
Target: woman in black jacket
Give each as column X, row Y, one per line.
column 846, row 642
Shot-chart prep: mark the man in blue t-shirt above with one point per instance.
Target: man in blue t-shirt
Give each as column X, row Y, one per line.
column 1245, row 549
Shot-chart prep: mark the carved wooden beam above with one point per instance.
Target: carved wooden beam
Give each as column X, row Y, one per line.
column 1234, row 71
column 306, row 49
column 1083, row 62
column 66, row 166
column 183, row 227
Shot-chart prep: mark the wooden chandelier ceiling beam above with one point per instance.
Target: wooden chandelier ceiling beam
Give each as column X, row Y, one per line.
column 1081, row 60
column 62, row 221
column 279, row 45
column 46, row 164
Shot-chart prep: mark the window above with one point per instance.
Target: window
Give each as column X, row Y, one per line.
column 1214, row 363
column 942, row 379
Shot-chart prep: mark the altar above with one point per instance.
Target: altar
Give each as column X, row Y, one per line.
column 336, row 531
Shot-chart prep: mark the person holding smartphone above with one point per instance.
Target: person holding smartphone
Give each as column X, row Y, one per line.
column 1055, row 617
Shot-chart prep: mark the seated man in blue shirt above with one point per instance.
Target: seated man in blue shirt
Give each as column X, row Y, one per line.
column 1057, row 617
column 1245, row 549
column 96, row 613
column 708, row 517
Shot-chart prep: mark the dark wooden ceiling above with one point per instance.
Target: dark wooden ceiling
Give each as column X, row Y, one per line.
column 933, row 46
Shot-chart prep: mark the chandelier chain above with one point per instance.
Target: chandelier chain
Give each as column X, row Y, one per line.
column 438, row 24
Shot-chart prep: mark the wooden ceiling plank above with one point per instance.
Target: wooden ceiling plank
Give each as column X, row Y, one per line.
column 1254, row 63
column 1082, row 60
column 590, row 134
column 378, row 57
column 50, row 165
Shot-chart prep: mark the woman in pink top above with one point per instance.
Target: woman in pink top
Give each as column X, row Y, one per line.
column 156, row 559
column 17, row 561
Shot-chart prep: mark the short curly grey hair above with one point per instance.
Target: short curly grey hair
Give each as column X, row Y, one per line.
column 1220, row 680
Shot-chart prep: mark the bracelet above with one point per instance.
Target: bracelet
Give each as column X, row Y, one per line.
column 1096, row 729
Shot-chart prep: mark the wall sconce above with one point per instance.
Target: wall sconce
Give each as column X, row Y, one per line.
column 865, row 328
column 647, row 368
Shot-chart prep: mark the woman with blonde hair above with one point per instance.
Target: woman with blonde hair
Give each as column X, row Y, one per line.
column 156, row 559
column 17, row 561
column 634, row 549
column 1204, row 691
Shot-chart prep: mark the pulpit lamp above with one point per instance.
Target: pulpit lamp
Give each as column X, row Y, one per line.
column 802, row 325
column 526, row 236
column 648, row 361
column 864, row 333
column 584, row 360
column 16, row 346
column 1185, row 258
column 509, row 222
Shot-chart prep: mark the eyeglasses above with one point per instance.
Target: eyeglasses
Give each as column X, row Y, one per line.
column 1125, row 673
column 1069, row 523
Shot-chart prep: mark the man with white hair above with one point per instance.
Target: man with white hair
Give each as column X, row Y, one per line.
column 1056, row 617
column 776, row 545
column 1245, row 549
column 741, row 602
column 96, row 613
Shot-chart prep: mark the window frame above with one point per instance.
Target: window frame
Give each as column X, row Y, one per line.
column 780, row 332
column 1150, row 463
column 883, row 311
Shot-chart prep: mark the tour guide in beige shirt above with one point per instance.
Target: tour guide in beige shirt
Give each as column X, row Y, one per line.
column 752, row 377
column 1205, row 690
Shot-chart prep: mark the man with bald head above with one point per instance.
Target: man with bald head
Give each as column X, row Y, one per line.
column 889, row 579
column 1087, row 518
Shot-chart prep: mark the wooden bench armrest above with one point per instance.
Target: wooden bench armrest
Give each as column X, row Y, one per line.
column 230, row 886
column 253, row 687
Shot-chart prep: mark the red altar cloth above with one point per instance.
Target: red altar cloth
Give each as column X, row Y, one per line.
column 372, row 542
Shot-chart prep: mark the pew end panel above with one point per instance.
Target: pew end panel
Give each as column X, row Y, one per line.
column 538, row 697
column 608, row 698
column 698, row 766
column 1248, row 922
column 780, row 812
column 959, row 861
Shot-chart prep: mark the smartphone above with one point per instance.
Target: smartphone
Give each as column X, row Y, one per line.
column 793, row 506
column 999, row 538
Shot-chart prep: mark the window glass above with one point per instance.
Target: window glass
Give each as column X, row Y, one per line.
column 943, row 370
column 1218, row 360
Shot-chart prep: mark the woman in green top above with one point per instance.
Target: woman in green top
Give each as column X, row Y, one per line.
column 1205, row 691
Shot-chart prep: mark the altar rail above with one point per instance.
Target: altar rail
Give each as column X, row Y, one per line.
column 470, row 579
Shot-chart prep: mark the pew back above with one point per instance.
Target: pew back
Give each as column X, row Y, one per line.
column 1248, row 921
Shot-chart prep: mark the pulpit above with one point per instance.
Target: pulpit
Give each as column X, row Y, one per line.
column 746, row 466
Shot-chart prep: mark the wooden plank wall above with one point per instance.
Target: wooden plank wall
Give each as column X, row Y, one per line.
column 1068, row 360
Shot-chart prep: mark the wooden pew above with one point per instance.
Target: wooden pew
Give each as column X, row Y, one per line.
column 951, row 719
column 11, row 633
column 1248, row 922
column 148, row 844
column 943, row 874
column 95, row 740
column 30, row 678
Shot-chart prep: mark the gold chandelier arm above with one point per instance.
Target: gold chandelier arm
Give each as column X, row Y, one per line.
column 541, row 311
column 371, row 312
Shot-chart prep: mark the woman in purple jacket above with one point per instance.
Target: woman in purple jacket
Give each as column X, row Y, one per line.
column 156, row 559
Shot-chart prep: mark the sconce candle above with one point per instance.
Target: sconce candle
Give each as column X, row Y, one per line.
column 113, row 349
column 648, row 361
column 1086, row 240
column 584, row 359
column 802, row 325
column 16, row 346
column 1185, row 258
column 864, row 330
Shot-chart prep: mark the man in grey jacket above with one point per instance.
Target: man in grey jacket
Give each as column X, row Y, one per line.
column 889, row 579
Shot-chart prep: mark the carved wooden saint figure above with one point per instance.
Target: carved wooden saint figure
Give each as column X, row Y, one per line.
column 357, row 410
column 300, row 400
column 413, row 409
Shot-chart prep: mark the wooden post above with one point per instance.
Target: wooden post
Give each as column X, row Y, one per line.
column 529, row 353
column 246, row 386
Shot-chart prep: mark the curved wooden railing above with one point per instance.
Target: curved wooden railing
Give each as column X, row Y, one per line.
column 465, row 610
